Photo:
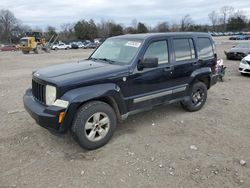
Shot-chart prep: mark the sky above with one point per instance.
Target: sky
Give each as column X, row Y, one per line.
column 40, row 14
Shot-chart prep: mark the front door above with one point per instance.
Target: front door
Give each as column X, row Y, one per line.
column 151, row 86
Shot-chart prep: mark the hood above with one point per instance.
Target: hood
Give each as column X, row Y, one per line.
column 247, row 58
column 80, row 72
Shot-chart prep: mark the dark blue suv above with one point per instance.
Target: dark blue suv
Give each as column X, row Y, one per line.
column 124, row 75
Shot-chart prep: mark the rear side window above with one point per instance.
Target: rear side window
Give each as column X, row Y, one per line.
column 206, row 48
column 158, row 50
column 184, row 49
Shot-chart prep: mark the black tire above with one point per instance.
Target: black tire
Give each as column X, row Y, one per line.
column 86, row 114
column 197, row 97
column 25, row 52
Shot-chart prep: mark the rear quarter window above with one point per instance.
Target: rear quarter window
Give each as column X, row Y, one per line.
column 206, row 48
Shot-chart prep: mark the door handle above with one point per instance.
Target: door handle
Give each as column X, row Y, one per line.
column 168, row 68
column 197, row 62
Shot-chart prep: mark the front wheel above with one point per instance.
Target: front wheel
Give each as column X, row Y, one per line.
column 94, row 124
column 25, row 52
column 38, row 49
column 197, row 97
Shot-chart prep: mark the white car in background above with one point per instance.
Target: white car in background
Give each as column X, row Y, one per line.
column 244, row 67
column 61, row 46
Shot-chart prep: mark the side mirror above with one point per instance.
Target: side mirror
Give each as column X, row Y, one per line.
column 149, row 63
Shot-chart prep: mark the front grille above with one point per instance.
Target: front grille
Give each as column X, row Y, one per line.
column 38, row 91
column 247, row 70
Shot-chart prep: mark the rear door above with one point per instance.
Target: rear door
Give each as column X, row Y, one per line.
column 184, row 61
column 207, row 55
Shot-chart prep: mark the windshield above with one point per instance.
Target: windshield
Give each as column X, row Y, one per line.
column 24, row 41
column 117, row 51
column 243, row 45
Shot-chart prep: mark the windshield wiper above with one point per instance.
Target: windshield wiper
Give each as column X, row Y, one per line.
column 103, row 59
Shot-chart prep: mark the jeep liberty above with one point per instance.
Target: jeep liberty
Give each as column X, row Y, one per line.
column 124, row 75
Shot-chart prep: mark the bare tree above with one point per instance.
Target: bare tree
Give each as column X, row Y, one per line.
column 67, row 32
column 226, row 12
column 186, row 22
column 104, row 28
column 8, row 22
column 175, row 27
column 214, row 18
column 134, row 23
column 240, row 14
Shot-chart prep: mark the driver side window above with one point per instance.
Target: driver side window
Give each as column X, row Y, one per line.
column 158, row 50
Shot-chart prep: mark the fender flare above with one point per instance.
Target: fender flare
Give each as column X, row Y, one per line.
column 201, row 73
column 77, row 97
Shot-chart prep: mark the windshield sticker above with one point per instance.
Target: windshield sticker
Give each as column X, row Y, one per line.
column 133, row 44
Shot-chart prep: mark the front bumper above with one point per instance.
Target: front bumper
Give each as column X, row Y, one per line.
column 45, row 116
column 235, row 55
column 244, row 68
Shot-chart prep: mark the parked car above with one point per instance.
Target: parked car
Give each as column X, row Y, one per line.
column 125, row 75
column 239, row 37
column 239, row 51
column 91, row 45
column 9, row 48
column 244, row 67
column 74, row 45
column 61, row 46
column 80, row 44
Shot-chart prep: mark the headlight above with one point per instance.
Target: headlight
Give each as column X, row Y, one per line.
column 243, row 61
column 50, row 94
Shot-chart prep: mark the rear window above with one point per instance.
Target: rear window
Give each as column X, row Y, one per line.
column 184, row 49
column 206, row 48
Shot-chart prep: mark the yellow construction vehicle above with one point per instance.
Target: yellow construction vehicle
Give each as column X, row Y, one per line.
column 34, row 41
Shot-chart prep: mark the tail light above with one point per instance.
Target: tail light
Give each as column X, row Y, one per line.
column 214, row 63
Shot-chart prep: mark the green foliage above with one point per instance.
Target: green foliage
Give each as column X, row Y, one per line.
column 115, row 29
column 130, row 30
column 236, row 24
column 86, row 30
column 162, row 27
column 141, row 28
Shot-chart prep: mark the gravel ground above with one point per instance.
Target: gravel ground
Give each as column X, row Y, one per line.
column 165, row 147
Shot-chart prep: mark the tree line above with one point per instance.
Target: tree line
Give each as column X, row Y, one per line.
column 224, row 19
column 229, row 19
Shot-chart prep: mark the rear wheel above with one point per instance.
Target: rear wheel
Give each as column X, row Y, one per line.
column 197, row 97
column 94, row 124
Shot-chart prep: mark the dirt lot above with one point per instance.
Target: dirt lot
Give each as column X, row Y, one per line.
column 151, row 149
